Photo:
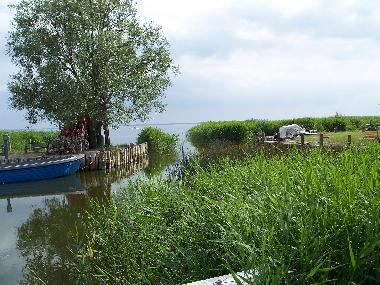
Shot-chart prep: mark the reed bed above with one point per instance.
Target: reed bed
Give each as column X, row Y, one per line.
column 295, row 218
column 205, row 135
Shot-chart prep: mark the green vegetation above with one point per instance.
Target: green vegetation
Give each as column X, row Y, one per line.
column 161, row 147
column 87, row 59
column 208, row 133
column 19, row 139
column 212, row 132
column 307, row 217
column 158, row 141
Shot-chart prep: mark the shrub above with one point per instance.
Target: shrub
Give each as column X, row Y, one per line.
column 158, row 141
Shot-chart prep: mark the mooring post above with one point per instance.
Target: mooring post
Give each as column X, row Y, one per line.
column 321, row 139
column 349, row 139
column 6, row 146
column 302, row 139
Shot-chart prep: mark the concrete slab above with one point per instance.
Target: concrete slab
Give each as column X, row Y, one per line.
column 221, row 280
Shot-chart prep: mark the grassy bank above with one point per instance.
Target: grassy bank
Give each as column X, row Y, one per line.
column 20, row 138
column 296, row 218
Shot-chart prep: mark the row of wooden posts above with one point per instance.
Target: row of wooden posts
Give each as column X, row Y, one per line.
column 110, row 159
column 371, row 135
column 321, row 139
column 100, row 160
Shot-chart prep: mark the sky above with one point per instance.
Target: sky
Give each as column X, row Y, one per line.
column 265, row 59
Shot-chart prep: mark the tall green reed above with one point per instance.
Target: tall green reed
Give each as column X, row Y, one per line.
column 294, row 218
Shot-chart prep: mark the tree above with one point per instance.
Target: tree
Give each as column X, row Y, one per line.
column 87, row 59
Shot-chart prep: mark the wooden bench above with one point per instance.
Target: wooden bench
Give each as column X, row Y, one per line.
column 36, row 147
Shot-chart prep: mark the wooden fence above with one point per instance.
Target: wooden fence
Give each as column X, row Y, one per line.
column 120, row 158
column 99, row 160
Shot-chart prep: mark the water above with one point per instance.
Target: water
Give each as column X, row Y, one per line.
column 35, row 217
column 129, row 134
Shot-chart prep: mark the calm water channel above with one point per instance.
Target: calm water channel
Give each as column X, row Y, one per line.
column 35, row 218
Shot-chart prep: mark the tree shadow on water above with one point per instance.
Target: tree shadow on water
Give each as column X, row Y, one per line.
column 159, row 162
column 47, row 241
column 51, row 237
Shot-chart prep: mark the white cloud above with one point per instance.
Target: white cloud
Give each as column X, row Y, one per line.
column 181, row 18
column 262, row 56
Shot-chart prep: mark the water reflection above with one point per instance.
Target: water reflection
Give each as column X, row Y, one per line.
column 47, row 216
column 9, row 206
column 41, row 188
column 157, row 164
column 46, row 245
column 51, row 235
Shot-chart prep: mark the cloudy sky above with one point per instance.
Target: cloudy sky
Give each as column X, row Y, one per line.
column 265, row 59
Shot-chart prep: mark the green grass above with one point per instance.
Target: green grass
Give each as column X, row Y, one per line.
column 296, row 218
column 337, row 138
column 20, row 138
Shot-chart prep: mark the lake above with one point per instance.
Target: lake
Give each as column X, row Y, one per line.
column 36, row 216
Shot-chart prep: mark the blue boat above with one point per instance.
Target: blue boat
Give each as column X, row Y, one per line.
column 40, row 169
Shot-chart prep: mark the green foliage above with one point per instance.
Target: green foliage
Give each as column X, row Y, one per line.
column 87, row 58
column 293, row 218
column 21, row 138
column 159, row 142
column 209, row 133
column 212, row 132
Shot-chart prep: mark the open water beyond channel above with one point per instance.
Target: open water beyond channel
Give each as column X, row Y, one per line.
column 35, row 218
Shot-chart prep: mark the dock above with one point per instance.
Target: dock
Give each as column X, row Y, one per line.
column 118, row 158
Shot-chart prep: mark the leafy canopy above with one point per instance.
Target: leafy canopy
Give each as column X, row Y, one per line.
column 87, row 58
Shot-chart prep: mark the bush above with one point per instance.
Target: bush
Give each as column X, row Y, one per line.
column 158, row 141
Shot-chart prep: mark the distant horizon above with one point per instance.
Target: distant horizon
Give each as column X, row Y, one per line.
column 138, row 125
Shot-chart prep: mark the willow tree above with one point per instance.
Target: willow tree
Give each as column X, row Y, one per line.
column 90, row 59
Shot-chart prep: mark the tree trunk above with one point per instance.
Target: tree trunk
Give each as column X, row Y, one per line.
column 98, row 129
column 91, row 131
column 107, row 135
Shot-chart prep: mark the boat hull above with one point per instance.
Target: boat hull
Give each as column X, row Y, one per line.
column 41, row 170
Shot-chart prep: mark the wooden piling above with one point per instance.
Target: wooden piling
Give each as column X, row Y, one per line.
column 321, row 139
column 126, row 157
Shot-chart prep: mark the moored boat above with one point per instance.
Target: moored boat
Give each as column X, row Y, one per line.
column 40, row 169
